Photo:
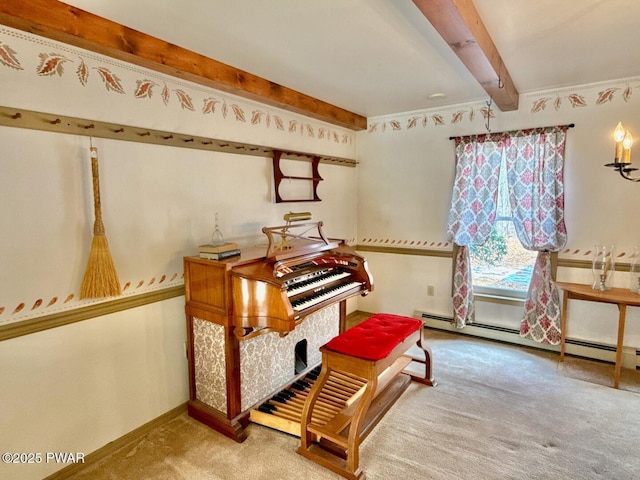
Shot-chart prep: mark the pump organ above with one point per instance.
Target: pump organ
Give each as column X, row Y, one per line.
column 255, row 323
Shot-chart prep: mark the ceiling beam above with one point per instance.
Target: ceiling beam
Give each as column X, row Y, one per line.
column 62, row 22
column 461, row 27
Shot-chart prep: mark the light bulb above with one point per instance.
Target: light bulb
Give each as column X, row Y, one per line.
column 618, row 133
column 626, row 145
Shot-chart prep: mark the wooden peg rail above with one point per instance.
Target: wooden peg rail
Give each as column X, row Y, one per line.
column 20, row 118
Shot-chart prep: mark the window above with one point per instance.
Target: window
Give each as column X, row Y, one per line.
column 536, row 190
column 502, row 266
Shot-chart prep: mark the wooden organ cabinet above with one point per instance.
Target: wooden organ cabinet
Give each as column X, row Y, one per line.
column 256, row 322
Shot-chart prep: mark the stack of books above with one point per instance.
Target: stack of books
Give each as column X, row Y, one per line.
column 219, row 252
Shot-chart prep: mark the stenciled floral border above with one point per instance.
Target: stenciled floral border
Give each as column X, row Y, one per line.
column 566, row 253
column 53, row 62
column 606, row 94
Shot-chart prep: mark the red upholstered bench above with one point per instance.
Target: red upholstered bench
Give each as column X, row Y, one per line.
column 376, row 351
column 376, row 337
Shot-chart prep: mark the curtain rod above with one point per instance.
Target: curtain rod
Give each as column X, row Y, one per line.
column 571, row 125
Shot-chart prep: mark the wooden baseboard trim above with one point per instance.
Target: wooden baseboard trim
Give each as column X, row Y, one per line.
column 118, row 443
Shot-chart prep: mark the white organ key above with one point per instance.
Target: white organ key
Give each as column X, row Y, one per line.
column 323, row 295
column 294, row 290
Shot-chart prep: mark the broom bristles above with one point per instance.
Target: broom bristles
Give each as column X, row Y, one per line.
column 100, row 278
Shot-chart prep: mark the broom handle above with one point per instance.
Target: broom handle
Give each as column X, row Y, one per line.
column 98, row 226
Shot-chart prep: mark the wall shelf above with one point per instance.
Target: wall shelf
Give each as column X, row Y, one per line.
column 278, row 176
column 21, row 118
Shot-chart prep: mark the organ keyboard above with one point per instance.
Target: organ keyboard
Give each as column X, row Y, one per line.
column 279, row 291
column 323, row 294
column 318, row 279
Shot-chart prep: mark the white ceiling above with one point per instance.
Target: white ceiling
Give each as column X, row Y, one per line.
column 376, row 57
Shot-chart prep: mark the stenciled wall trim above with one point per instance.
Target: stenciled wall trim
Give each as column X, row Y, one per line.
column 596, row 94
column 569, row 263
column 53, row 64
column 445, row 253
column 423, row 252
column 34, row 325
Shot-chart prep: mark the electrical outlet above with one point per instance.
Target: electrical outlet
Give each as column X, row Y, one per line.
column 430, row 290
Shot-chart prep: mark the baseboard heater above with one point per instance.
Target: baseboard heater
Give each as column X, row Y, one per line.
column 592, row 350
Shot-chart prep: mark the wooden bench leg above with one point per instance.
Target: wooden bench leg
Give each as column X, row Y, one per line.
column 306, row 437
column 422, row 373
column 342, row 454
column 355, row 429
column 336, row 443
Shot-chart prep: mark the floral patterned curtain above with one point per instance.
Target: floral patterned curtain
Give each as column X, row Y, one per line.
column 472, row 213
column 535, row 164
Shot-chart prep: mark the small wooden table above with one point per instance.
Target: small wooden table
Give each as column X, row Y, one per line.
column 618, row 296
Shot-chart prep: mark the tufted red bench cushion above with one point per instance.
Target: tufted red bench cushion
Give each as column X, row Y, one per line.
column 376, row 337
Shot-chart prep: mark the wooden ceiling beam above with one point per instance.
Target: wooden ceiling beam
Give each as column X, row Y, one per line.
column 461, row 27
column 59, row 21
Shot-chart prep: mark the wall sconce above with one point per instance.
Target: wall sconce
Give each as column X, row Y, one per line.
column 622, row 159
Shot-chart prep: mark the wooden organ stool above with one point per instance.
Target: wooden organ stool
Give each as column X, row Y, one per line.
column 375, row 350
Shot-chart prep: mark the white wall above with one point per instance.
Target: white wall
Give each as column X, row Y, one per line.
column 78, row 387
column 74, row 388
column 405, row 179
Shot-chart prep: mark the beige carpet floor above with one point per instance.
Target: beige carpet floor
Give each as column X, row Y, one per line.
column 498, row 412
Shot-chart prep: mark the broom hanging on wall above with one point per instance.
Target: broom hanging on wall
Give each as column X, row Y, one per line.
column 100, row 278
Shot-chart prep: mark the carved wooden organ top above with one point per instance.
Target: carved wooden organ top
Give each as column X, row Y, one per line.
column 299, row 276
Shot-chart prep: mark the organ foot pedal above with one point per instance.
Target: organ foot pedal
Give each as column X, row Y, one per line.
column 283, row 411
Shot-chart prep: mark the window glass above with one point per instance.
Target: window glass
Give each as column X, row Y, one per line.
column 502, row 266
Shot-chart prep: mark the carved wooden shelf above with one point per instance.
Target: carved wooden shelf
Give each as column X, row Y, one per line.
column 278, row 176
